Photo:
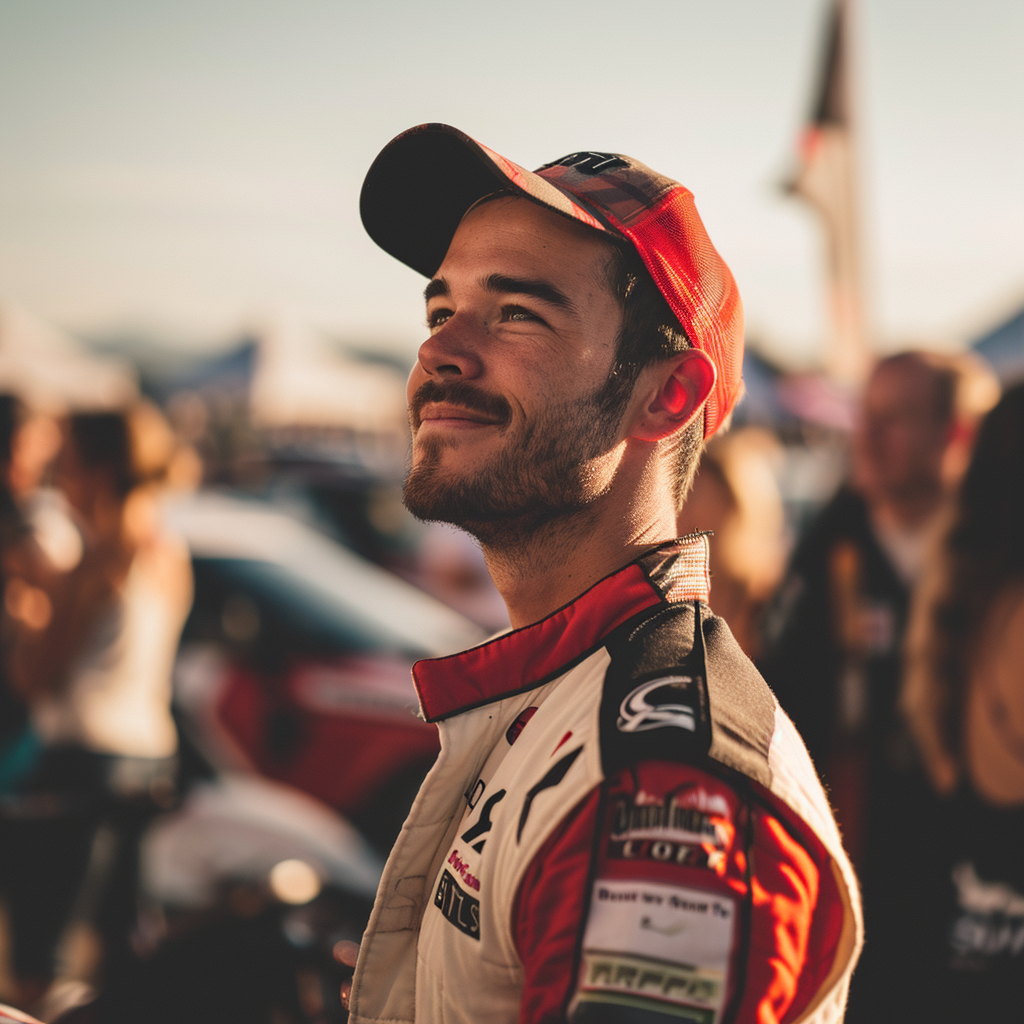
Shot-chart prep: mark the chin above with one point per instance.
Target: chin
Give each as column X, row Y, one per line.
column 434, row 495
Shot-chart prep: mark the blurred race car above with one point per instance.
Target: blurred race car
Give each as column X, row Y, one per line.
column 296, row 660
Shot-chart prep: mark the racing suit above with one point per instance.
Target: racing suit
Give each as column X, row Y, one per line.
column 621, row 825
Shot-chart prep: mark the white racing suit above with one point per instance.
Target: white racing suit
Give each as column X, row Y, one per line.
column 622, row 825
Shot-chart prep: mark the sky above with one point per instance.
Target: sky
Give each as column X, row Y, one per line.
column 190, row 170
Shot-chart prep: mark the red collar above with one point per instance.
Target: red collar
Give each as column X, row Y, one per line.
column 528, row 657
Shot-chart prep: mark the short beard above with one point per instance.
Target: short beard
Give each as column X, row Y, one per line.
column 542, row 476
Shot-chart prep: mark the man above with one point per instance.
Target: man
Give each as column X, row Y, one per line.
column 834, row 654
column 622, row 824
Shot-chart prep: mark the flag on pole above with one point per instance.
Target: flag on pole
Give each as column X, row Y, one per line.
column 826, row 179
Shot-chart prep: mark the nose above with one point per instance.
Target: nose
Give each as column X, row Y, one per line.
column 449, row 352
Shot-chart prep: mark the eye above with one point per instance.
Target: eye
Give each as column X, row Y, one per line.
column 520, row 314
column 437, row 317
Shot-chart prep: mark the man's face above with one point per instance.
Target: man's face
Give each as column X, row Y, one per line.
column 902, row 439
column 503, row 400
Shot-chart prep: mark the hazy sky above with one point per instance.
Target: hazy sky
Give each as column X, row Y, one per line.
column 192, row 167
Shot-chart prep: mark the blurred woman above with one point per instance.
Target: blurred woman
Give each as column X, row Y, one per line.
column 95, row 672
column 37, row 541
column 736, row 497
column 964, row 697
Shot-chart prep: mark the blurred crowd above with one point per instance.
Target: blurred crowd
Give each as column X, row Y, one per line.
column 95, row 594
column 890, row 624
column 894, row 638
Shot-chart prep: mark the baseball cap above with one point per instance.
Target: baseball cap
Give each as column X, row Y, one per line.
column 423, row 182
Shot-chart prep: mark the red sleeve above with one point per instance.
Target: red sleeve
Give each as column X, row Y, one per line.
column 666, row 892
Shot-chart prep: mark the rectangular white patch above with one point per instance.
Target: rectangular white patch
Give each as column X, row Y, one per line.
column 691, row 929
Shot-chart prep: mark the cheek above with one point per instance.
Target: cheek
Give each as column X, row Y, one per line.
column 416, row 378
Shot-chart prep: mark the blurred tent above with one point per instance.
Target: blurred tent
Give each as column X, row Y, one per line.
column 288, row 376
column 227, row 373
column 52, row 372
column 283, row 398
column 787, row 401
column 299, row 381
column 1003, row 347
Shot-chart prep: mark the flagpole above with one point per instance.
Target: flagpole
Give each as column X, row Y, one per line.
column 827, row 180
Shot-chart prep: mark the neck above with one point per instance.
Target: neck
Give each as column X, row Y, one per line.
column 911, row 510
column 539, row 570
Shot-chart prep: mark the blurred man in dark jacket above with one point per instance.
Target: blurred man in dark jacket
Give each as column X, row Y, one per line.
column 833, row 651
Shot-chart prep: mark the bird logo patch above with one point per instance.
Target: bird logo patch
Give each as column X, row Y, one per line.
column 668, row 702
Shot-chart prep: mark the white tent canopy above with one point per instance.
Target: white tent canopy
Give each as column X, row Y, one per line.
column 300, row 381
column 52, row 372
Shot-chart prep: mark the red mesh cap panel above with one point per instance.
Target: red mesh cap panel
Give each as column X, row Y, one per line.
column 659, row 218
column 700, row 290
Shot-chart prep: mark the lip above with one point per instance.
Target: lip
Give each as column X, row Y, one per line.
column 442, row 414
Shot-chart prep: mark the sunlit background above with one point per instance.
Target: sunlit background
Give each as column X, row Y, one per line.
column 181, row 172
column 182, row 265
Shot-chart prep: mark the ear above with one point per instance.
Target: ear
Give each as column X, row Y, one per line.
column 682, row 385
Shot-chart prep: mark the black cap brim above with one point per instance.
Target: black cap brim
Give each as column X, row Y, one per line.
column 418, row 190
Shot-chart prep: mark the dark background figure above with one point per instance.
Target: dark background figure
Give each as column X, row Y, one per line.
column 37, row 542
column 964, row 698
column 735, row 496
column 95, row 674
column 13, row 528
column 16, row 745
column 833, row 650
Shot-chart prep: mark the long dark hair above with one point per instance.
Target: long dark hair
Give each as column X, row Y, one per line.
column 985, row 553
column 135, row 445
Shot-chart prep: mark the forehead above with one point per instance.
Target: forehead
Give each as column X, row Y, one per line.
column 516, row 231
column 901, row 381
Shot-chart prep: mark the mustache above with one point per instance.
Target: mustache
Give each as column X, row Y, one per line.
column 462, row 393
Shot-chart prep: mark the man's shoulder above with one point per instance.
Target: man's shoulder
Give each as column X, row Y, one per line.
column 9, row 1013
column 679, row 688
column 844, row 517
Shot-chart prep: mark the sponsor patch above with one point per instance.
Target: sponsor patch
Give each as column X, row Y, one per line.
column 664, row 851
column 675, row 989
column 688, row 816
column 990, row 922
column 462, row 869
column 461, row 909
column 668, row 702
column 687, row 935
column 652, row 709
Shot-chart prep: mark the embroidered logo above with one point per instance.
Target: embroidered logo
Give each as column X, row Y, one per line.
column 658, row 704
column 458, row 907
column 589, row 162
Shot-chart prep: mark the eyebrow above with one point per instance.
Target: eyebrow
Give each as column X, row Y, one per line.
column 438, row 286
column 541, row 290
column 537, row 289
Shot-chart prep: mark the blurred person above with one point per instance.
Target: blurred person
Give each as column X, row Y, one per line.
column 31, row 547
column 833, row 652
column 621, row 825
column 95, row 672
column 15, row 743
column 736, row 498
column 963, row 694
